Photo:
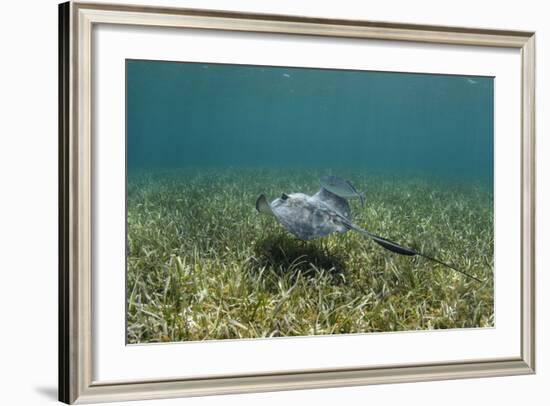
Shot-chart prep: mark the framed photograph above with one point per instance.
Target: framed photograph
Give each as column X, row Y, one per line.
column 263, row 202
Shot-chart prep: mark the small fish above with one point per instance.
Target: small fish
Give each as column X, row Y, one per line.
column 471, row 81
column 286, row 75
column 341, row 187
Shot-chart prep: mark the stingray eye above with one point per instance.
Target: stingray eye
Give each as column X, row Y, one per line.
column 284, row 196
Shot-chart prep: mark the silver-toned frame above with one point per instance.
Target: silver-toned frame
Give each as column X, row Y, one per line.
column 76, row 21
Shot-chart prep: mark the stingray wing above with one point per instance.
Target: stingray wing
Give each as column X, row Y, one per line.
column 303, row 216
column 339, row 204
column 341, row 187
column 263, row 206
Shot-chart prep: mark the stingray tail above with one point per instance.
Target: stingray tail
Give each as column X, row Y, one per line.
column 449, row 266
column 399, row 249
column 387, row 244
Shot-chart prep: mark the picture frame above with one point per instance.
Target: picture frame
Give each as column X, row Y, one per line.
column 77, row 351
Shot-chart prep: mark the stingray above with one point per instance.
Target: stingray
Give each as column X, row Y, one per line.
column 326, row 212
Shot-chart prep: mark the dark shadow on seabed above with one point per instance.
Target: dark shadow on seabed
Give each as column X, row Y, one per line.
column 285, row 254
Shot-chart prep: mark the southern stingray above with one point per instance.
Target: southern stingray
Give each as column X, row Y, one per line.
column 328, row 211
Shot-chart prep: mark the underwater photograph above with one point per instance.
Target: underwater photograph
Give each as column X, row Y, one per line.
column 268, row 201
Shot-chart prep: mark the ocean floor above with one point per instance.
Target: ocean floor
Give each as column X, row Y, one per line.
column 203, row 264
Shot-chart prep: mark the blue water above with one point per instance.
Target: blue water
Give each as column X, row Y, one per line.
column 193, row 115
